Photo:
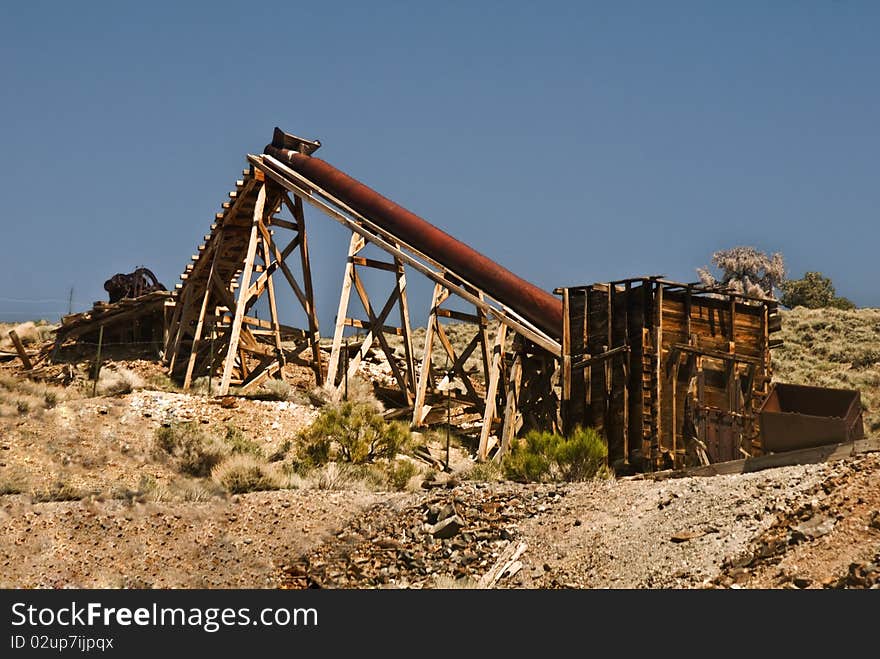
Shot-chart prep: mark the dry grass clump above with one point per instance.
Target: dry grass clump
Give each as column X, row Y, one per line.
column 31, row 333
column 242, row 472
column 833, row 348
column 486, row 472
column 13, row 483
column 58, row 491
column 230, row 464
column 20, row 396
column 193, row 451
column 272, row 390
column 117, row 381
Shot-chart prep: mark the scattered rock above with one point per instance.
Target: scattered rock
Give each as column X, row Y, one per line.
column 447, row 528
column 813, row 528
column 684, row 536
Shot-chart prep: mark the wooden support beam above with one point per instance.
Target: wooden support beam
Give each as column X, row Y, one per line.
column 356, row 244
column 495, row 375
column 419, row 413
column 311, row 312
column 406, row 331
column 376, row 324
column 200, row 324
column 512, row 417
column 716, row 354
column 235, row 330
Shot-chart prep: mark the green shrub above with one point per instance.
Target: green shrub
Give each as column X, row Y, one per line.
column 544, row 456
column 239, row 444
column 400, row 472
column 351, row 432
column 243, row 473
column 814, row 291
column 281, row 453
column 194, row 452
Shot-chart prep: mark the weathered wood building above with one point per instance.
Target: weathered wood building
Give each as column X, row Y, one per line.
column 672, row 374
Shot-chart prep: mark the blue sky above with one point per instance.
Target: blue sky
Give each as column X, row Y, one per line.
column 572, row 142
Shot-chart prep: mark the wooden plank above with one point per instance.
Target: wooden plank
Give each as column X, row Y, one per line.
column 284, row 224
column 460, row 316
column 19, row 348
column 598, row 359
column 386, row 329
column 715, row 354
column 491, row 391
column 373, row 263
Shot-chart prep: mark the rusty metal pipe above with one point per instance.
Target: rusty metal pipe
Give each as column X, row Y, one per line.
column 531, row 302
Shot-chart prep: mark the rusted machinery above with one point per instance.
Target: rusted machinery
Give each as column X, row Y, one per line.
column 797, row 416
column 132, row 285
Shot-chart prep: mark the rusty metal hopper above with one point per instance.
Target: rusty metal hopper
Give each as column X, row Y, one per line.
column 797, row 416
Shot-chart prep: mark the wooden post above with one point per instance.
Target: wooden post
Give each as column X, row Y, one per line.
column 355, row 245
column 425, row 372
column 98, row 360
column 19, row 348
column 659, row 364
column 311, row 312
column 270, row 287
column 491, row 391
column 512, row 419
column 566, row 360
column 405, row 327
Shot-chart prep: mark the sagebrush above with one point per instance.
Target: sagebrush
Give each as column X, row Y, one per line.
column 352, row 432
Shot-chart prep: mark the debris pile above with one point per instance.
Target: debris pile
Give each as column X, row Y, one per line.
column 463, row 536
